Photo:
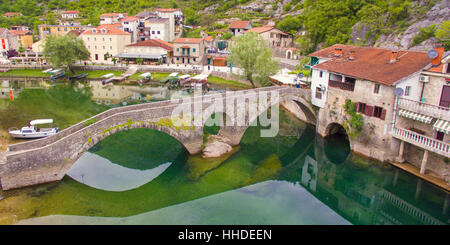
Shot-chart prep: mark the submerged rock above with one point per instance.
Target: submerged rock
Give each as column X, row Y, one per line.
column 217, row 146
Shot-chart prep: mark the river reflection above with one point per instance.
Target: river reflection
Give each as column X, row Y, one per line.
column 100, row 173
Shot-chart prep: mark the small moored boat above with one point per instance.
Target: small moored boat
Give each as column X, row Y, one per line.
column 32, row 131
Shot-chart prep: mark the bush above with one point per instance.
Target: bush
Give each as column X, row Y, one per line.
column 424, row 34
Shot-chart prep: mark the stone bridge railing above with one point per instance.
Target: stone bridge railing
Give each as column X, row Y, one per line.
column 49, row 158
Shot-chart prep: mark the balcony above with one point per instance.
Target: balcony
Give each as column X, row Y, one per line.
column 341, row 85
column 425, row 109
column 422, row 141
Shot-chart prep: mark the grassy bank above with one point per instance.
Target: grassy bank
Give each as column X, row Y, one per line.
column 24, row 72
column 228, row 83
column 158, row 76
column 66, row 105
column 99, row 74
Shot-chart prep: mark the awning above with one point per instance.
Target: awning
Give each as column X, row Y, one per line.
column 415, row 116
column 442, row 126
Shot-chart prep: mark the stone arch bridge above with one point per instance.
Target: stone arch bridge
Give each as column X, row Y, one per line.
column 48, row 159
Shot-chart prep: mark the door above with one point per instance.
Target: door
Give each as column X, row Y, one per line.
column 440, row 136
column 445, row 97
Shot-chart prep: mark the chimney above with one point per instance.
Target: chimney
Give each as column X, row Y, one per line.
column 352, row 55
column 439, row 48
column 394, row 56
column 337, row 52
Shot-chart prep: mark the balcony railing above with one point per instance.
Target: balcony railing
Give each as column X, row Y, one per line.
column 424, row 108
column 423, row 141
column 341, row 85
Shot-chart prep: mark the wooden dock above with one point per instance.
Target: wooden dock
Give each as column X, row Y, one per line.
column 428, row 176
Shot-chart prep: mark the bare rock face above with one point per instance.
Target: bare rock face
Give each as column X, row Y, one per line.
column 216, row 146
column 435, row 15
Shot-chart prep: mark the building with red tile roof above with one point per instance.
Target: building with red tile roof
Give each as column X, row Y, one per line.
column 150, row 51
column 239, row 27
column 70, row 14
column 105, row 42
column 12, row 14
column 189, row 50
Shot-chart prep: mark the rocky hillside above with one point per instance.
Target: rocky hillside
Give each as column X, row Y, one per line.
column 381, row 23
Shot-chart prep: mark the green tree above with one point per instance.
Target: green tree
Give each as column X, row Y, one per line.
column 289, row 24
column 63, row 51
column 251, row 53
column 443, row 34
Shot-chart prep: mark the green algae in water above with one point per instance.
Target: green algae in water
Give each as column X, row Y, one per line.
column 338, row 193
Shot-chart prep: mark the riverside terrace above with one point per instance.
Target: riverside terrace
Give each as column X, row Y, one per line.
column 49, row 159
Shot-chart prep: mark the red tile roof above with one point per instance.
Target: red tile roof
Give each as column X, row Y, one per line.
column 12, row 13
column 167, row 10
column 241, row 24
column 71, row 12
column 261, row 29
column 209, row 38
column 372, row 63
column 188, row 40
column 19, row 33
column 109, row 31
column 112, row 14
column 153, row 43
column 116, row 25
column 129, row 18
column 75, row 32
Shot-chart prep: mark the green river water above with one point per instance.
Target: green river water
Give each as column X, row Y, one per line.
column 142, row 176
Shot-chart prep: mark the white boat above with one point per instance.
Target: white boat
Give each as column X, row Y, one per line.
column 108, row 75
column 32, row 131
column 48, row 70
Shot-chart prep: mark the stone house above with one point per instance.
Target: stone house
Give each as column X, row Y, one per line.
column 8, row 41
column 151, row 51
column 105, row 41
column 274, row 37
column 189, row 50
column 368, row 77
column 70, row 14
column 238, row 27
column 112, row 18
column 24, row 37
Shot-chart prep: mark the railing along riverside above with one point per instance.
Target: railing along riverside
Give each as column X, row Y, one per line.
column 424, row 108
column 423, row 141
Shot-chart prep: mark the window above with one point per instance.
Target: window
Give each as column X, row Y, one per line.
column 95, row 39
column 321, row 74
column 95, row 47
column 407, row 90
column 159, row 32
column 178, row 58
column 153, row 32
column 110, row 39
column 193, row 50
column 110, row 47
column 89, row 47
column 360, row 107
column 88, row 38
column 376, row 89
column 103, row 47
column 318, row 93
column 377, row 112
column 103, row 39
column 96, row 56
column 178, row 49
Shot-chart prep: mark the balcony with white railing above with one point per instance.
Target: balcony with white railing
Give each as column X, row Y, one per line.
column 425, row 109
column 422, row 141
